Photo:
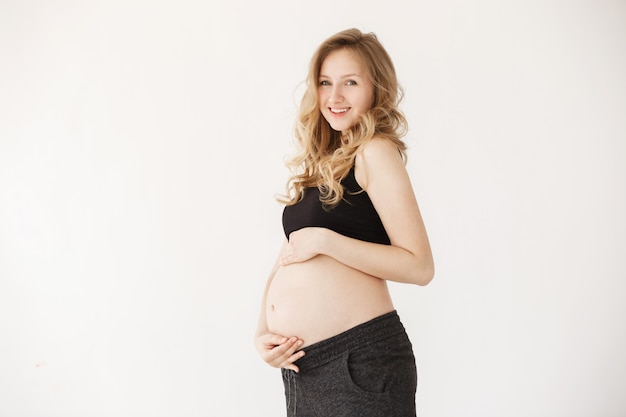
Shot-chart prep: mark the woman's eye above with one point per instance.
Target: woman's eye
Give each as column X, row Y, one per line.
column 350, row 82
column 324, row 82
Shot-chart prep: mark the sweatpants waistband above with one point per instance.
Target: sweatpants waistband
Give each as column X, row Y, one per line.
column 374, row 330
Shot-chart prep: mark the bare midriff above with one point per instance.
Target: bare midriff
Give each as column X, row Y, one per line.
column 320, row 298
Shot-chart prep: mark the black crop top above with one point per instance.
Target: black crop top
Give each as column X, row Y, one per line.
column 355, row 216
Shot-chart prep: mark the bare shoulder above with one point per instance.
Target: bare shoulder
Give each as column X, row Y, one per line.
column 376, row 159
column 379, row 148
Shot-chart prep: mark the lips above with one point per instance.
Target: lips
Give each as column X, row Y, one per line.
column 338, row 111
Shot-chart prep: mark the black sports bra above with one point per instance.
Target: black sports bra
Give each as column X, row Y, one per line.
column 355, row 216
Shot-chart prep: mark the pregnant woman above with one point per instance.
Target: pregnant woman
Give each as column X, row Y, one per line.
column 351, row 223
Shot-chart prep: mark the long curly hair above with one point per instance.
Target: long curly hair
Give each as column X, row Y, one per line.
column 326, row 156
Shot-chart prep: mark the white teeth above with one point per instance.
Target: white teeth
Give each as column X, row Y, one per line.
column 338, row 110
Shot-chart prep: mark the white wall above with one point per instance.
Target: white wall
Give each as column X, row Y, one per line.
column 141, row 144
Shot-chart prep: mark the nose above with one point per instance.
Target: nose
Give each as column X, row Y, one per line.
column 336, row 94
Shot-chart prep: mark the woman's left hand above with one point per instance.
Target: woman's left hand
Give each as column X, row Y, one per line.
column 303, row 245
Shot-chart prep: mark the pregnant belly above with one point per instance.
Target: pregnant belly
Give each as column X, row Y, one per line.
column 320, row 298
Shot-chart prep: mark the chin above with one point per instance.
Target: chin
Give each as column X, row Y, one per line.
column 340, row 127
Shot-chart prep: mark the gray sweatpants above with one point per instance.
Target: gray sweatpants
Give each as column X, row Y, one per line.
column 366, row 371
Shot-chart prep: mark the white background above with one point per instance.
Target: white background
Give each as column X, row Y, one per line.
column 141, row 145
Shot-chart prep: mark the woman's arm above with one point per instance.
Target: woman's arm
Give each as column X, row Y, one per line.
column 381, row 172
column 276, row 350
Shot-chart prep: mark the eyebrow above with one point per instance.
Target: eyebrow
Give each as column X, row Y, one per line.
column 343, row 76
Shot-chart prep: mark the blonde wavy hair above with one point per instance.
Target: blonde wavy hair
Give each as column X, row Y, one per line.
column 326, row 156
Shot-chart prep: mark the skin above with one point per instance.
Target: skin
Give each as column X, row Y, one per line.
column 276, row 350
column 345, row 90
column 322, row 282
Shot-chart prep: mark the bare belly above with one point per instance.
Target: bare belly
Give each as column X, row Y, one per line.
column 321, row 297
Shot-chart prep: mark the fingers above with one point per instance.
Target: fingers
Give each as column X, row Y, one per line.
column 272, row 340
column 293, row 368
column 283, row 355
column 287, row 257
column 286, row 260
column 279, row 351
column 289, row 363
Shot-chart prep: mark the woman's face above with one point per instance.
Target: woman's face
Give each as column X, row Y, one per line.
column 344, row 88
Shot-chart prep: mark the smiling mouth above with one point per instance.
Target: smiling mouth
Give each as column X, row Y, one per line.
column 338, row 111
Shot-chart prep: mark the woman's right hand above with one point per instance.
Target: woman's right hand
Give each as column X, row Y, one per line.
column 279, row 351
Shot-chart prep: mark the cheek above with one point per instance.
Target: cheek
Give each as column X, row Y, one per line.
column 321, row 98
column 367, row 99
column 364, row 105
